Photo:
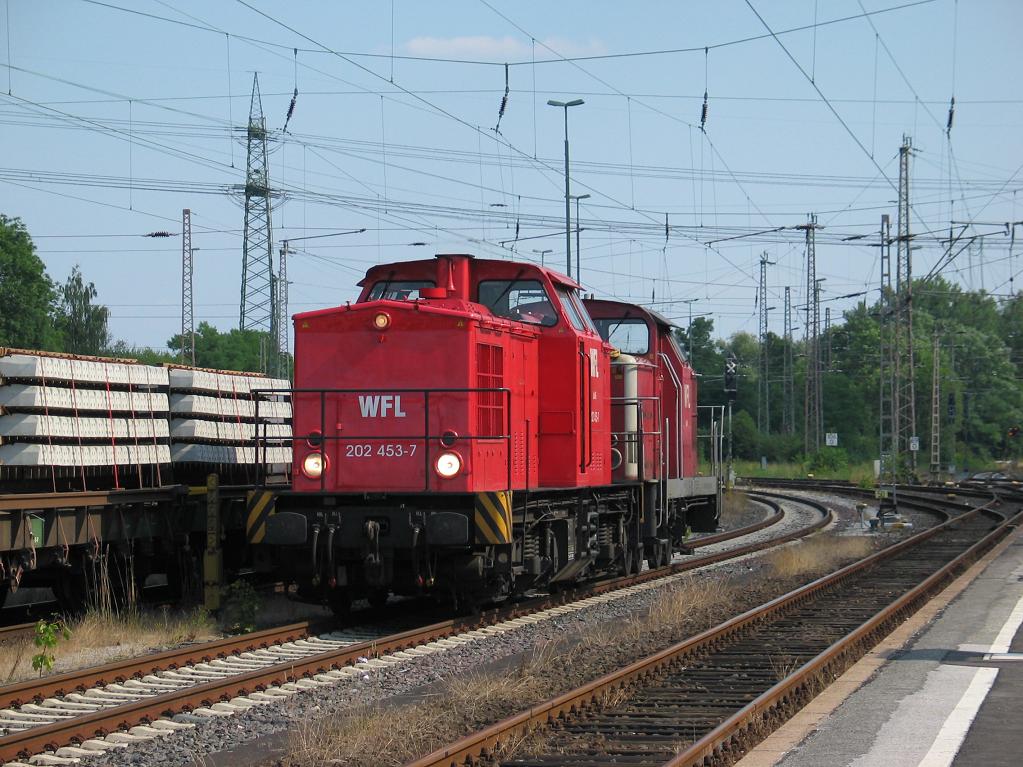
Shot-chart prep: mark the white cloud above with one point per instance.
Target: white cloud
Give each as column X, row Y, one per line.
column 469, row 46
column 497, row 48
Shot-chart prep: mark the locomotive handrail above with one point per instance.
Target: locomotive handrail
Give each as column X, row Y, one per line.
column 639, row 437
column 262, row 440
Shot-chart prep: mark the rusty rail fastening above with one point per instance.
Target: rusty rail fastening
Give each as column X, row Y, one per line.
column 51, row 736
column 751, row 722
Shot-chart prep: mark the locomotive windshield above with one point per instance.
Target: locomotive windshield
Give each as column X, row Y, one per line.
column 521, row 300
column 398, row 290
column 629, row 336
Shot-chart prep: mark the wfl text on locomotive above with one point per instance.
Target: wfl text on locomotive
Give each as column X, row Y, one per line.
column 475, row 428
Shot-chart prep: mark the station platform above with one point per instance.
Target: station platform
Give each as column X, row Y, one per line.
column 945, row 689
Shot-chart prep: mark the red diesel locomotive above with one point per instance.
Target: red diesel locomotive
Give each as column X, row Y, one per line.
column 473, row 428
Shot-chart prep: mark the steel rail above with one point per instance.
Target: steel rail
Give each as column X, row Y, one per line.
column 728, row 535
column 118, row 671
column 72, row 681
column 737, row 729
column 51, row 736
column 485, row 743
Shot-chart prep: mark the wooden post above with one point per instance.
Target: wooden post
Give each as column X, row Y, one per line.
column 213, row 561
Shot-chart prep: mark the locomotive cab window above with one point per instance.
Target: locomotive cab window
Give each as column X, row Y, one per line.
column 682, row 353
column 629, row 336
column 520, row 300
column 574, row 315
column 398, row 290
column 573, row 298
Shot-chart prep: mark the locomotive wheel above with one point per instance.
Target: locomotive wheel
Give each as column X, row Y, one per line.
column 378, row 597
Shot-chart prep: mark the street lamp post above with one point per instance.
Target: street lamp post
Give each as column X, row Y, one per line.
column 568, row 197
column 578, row 228
column 542, row 253
column 689, row 328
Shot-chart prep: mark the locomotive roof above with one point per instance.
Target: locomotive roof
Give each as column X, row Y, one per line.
column 657, row 317
column 556, row 277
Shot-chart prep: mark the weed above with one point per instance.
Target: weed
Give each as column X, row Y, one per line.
column 241, row 604
column 48, row 634
column 99, row 637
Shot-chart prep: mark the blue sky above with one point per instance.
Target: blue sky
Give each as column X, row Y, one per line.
column 118, row 117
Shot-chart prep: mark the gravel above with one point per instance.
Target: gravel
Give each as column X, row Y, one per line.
column 218, row 734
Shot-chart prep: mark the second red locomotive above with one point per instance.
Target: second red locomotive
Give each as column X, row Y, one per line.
column 474, row 428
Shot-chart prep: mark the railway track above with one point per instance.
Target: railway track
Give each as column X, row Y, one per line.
column 78, row 713
column 705, row 700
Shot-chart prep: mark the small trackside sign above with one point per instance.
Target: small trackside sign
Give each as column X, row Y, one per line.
column 380, row 406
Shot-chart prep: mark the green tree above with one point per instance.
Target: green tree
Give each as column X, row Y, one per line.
column 745, row 437
column 124, row 350
column 233, row 350
column 82, row 324
column 26, row 292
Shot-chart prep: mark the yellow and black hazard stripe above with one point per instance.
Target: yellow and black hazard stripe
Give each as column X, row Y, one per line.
column 259, row 507
column 493, row 518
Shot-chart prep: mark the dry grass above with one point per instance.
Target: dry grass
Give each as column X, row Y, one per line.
column 817, row 555
column 380, row 736
column 733, row 506
column 366, row 736
column 102, row 637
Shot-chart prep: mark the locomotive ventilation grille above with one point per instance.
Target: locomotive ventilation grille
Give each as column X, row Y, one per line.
column 490, row 375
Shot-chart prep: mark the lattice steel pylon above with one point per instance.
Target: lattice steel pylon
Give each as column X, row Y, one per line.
column 187, row 316
column 812, row 403
column 905, row 367
column 936, row 411
column 827, row 339
column 788, row 394
column 888, row 445
column 259, row 302
column 764, row 381
column 283, row 324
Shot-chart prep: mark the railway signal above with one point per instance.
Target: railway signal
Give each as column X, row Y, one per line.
column 731, row 377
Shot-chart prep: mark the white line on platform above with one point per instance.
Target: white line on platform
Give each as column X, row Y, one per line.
column 945, row 747
column 1009, row 629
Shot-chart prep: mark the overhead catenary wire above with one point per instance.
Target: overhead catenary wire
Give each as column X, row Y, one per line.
column 206, row 27
column 633, row 170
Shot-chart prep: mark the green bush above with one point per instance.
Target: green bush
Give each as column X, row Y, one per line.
column 829, row 460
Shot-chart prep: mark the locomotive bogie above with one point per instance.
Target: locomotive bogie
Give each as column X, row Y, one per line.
column 473, row 431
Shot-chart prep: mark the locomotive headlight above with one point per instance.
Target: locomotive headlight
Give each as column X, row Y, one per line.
column 448, row 464
column 312, row 465
column 382, row 321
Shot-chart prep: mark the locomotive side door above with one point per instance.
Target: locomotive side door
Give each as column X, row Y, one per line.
column 594, row 391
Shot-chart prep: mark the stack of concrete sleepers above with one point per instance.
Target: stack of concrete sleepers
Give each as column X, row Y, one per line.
column 230, row 422
column 97, row 421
